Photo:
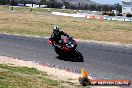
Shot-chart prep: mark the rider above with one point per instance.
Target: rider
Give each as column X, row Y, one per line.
column 56, row 36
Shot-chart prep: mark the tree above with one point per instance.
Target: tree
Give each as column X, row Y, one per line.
column 43, row 2
column 118, row 7
column 98, row 8
column 67, row 5
column 92, row 7
column 13, row 2
column 104, row 8
column 4, row 2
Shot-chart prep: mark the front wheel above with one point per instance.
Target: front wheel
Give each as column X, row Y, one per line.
column 58, row 51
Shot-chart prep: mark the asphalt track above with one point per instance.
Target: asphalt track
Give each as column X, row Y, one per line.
column 101, row 60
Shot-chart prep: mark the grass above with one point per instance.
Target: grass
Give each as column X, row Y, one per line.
column 31, row 23
column 23, row 77
column 25, row 70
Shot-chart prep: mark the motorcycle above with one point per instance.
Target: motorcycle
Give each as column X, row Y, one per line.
column 67, row 48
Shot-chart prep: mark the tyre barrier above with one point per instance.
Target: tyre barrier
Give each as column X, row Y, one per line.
column 94, row 17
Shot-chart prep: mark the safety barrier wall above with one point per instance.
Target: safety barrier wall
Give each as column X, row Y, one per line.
column 67, row 14
column 118, row 18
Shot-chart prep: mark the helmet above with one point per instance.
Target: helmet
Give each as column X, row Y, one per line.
column 55, row 28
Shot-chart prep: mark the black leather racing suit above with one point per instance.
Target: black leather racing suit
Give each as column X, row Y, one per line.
column 56, row 36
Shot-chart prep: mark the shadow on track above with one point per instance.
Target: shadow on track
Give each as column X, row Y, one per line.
column 71, row 59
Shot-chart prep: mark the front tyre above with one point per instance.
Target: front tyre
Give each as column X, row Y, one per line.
column 58, row 51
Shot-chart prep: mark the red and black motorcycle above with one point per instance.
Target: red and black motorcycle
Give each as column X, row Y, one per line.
column 67, row 48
